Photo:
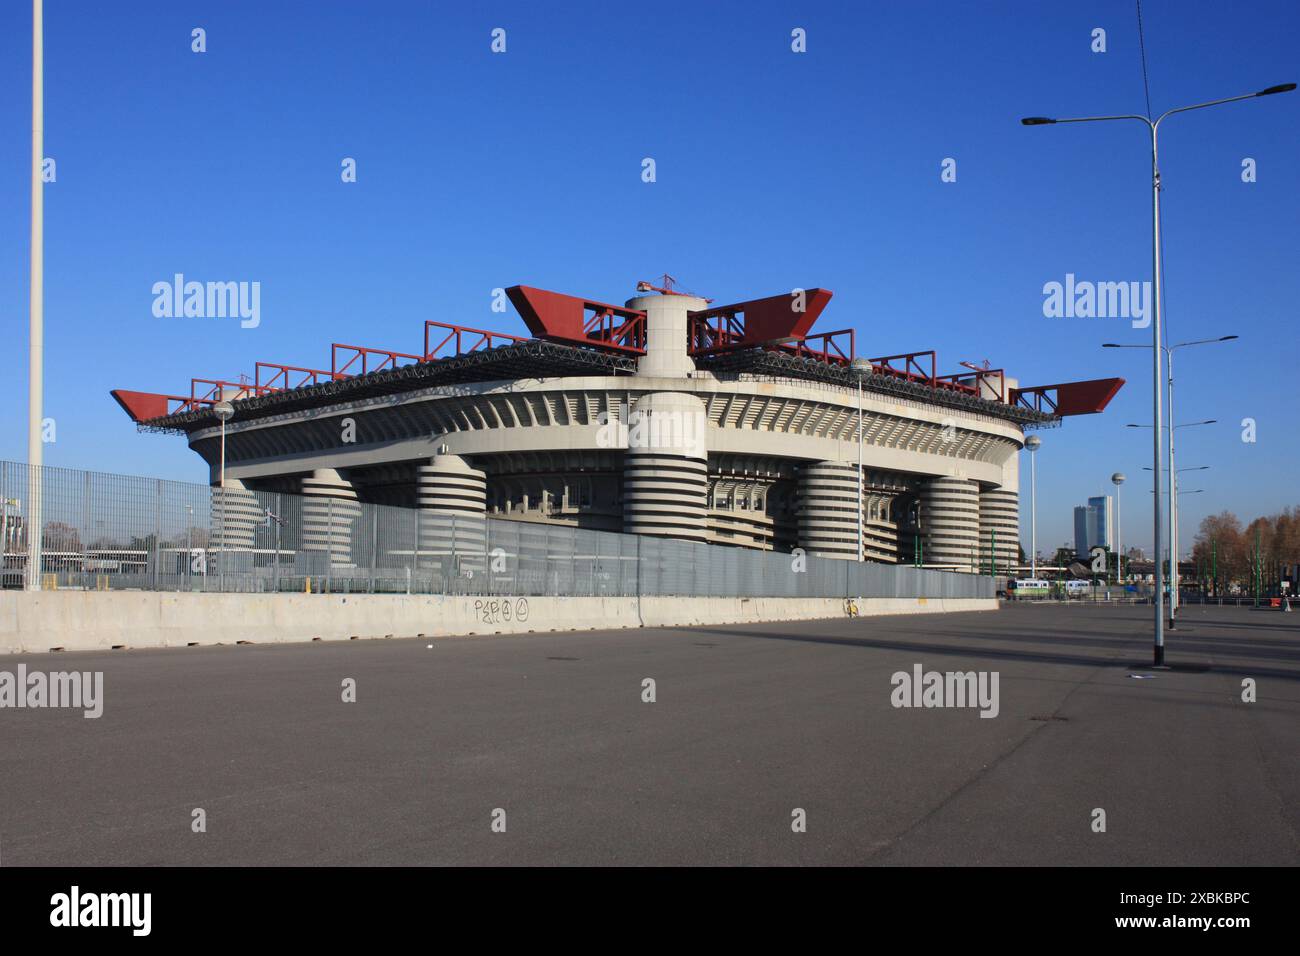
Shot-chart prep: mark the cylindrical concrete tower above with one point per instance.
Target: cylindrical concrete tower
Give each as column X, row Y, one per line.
column 452, row 497
column 828, row 510
column 666, row 470
column 667, row 334
column 329, row 509
column 950, row 522
column 1000, row 520
column 234, row 523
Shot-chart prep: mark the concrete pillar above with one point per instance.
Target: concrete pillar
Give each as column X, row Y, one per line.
column 1000, row 513
column 329, row 510
column 828, row 510
column 666, row 334
column 239, row 517
column 452, row 498
column 950, row 522
column 666, row 469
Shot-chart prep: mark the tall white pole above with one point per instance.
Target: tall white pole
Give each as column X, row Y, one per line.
column 221, row 490
column 1157, row 382
column 1033, row 515
column 1119, row 540
column 1173, row 502
column 35, row 379
column 860, row 533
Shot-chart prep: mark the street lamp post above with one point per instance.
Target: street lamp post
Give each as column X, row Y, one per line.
column 1033, row 442
column 1174, row 578
column 1153, row 126
column 1173, row 513
column 1118, row 479
column 860, row 368
column 224, row 412
column 1173, row 468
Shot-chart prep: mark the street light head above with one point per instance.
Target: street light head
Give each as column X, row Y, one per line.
column 1045, row 121
column 224, row 411
column 860, row 367
column 1229, row 338
column 1033, row 442
column 1118, row 478
column 1284, row 88
column 1111, row 345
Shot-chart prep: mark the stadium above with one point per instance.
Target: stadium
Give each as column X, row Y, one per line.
column 668, row 416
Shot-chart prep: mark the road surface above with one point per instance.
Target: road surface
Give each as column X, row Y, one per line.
column 750, row 724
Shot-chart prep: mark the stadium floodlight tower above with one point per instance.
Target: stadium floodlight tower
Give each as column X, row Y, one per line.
column 1153, row 127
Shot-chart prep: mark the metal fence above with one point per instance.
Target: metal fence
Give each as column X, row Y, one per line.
column 117, row 532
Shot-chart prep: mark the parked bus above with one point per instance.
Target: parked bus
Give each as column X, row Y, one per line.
column 1019, row 589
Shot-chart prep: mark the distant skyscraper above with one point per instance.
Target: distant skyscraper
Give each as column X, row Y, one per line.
column 1094, row 525
column 1080, row 531
column 1101, row 522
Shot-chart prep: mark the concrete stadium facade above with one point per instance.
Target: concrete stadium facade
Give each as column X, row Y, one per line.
column 742, row 438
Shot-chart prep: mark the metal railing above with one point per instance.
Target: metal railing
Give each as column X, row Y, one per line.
column 115, row 532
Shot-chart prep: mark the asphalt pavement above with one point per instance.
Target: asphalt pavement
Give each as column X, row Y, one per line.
column 752, row 729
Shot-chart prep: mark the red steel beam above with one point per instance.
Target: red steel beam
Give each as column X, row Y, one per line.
column 142, row 406
column 912, row 370
column 832, row 351
column 216, row 389
column 477, row 339
column 278, row 377
column 1069, row 398
column 713, row 333
column 776, row 318
column 995, row 378
column 564, row 318
column 387, row 359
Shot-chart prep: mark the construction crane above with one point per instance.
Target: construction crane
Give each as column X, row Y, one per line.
column 668, row 287
column 985, row 367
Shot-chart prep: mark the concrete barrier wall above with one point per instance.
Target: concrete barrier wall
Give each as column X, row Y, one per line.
column 86, row 620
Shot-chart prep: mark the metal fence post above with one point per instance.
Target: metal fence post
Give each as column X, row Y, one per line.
column 89, row 525
column 157, row 533
column 374, row 543
column 279, row 513
column 415, row 550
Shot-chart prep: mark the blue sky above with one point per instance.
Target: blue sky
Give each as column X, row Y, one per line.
column 774, row 170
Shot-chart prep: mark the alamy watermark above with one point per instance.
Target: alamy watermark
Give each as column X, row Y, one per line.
column 681, row 431
column 208, row 300
column 128, row 910
column 36, row 689
column 1098, row 300
column 950, row 689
